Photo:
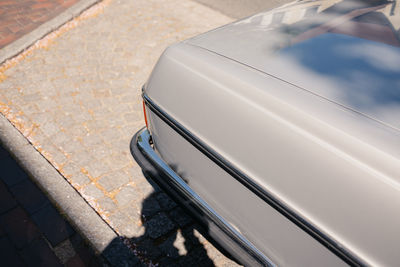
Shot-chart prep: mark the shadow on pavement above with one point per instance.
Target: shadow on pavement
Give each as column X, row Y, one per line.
column 170, row 235
column 170, row 238
column 32, row 231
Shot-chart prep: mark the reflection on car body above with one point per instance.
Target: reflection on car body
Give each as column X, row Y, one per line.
column 280, row 133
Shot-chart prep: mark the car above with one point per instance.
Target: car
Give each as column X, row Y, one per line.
column 281, row 133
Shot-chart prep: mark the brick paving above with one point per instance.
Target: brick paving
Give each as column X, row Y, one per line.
column 77, row 99
column 32, row 232
column 18, row 17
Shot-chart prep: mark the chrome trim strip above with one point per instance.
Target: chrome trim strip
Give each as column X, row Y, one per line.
column 321, row 237
column 143, row 142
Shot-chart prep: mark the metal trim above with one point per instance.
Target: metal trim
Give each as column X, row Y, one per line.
column 318, row 235
column 143, row 142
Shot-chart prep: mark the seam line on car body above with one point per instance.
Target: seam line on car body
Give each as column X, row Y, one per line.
column 177, row 182
column 310, row 229
column 299, row 87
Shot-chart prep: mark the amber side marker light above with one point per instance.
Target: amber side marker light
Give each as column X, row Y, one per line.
column 145, row 115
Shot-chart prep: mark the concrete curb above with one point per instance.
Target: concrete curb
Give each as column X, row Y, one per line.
column 29, row 39
column 78, row 212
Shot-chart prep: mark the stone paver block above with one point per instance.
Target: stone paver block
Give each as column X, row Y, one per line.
column 11, row 172
column 50, row 128
column 118, row 220
column 83, row 159
column 71, row 168
column 8, row 254
column 145, row 188
column 3, row 153
column 51, row 150
column 149, row 250
column 38, row 253
column 150, row 207
column 159, row 225
column 165, row 201
column 75, row 261
column 107, row 205
column 134, row 213
column 90, row 140
column 191, row 238
column 19, row 227
column 7, row 202
column 169, row 248
column 168, row 262
column 79, row 179
column 69, row 146
column 83, row 253
column 64, row 251
column 197, row 257
column 100, row 152
column 54, row 227
column 127, row 195
column 16, row 242
column 118, row 160
column 97, row 168
column 92, row 192
column 116, row 252
column 132, row 230
column 29, row 196
column 114, row 180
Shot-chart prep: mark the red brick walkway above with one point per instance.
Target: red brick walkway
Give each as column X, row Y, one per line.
column 18, row 17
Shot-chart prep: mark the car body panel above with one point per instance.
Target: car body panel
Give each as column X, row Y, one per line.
column 214, row 225
column 347, row 51
column 317, row 157
column 287, row 244
column 332, row 163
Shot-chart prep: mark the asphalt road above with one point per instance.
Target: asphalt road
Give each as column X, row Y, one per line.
column 242, row 8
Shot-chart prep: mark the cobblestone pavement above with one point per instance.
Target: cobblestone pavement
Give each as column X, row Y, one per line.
column 76, row 97
column 18, row 17
column 32, row 232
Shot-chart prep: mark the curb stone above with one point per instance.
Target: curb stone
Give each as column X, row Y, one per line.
column 78, row 212
column 30, row 38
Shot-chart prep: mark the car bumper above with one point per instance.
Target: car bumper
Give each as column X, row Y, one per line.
column 220, row 230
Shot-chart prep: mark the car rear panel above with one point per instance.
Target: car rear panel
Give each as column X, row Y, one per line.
column 278, row 238
column 334, row 167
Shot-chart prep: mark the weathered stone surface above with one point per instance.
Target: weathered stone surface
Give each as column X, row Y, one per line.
column 159, row 225
column 118, row 220
column 165, row 201
column 150, row 207
column 92, row 192
column 127, row 195
column 114, row 180
column 78, row 102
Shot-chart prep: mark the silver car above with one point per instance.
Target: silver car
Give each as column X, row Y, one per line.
column 280, row 133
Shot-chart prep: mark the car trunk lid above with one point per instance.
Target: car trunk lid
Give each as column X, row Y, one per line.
column 347, row 52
